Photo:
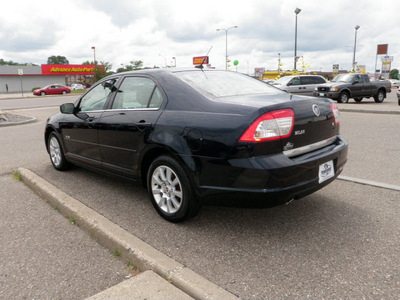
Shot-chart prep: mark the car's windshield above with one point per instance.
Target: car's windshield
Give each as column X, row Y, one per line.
column 225, row 84
column 283, row 80
column 343, row 78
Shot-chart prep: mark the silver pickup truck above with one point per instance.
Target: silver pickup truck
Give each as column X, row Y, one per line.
column 356, row 86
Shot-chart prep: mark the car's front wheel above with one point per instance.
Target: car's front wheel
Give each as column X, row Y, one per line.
column 64, row 92
column 343, row 97
column 56, row 153
column 171, row 191
column 42, row 94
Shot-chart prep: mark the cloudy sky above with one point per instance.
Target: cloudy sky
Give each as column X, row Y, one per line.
column 155, row 31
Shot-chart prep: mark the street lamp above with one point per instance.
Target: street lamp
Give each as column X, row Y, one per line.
column 355, row 43
column 94, row 57
column 296, row 11
column 226, row 46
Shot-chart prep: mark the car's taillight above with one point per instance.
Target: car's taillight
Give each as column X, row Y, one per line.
column 335, row 111
column 270, row 126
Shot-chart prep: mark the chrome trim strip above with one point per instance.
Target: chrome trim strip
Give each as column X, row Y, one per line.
column 309, row 148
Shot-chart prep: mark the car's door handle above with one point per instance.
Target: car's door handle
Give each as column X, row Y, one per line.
column 143, row 124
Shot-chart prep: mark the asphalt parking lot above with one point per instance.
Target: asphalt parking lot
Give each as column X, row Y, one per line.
column 340, row 242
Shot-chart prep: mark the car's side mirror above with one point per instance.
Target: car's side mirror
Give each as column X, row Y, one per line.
column 67, row 108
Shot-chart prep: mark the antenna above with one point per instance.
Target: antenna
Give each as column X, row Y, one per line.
column 204, row 60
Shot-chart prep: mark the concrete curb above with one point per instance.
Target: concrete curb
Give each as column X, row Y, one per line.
column 26, row 120
column 144, row 256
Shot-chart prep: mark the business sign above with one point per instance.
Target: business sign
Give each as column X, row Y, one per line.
column 259, row 72
column 382, row 49
column 200, row 60
column 387, row 58
column 335, row 69
column 68, row 69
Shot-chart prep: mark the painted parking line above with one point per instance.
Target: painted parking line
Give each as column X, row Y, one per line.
column 369, row 182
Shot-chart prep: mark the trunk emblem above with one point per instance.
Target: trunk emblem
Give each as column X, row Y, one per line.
column 316, row 110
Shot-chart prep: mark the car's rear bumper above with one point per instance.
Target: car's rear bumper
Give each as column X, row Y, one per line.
column 272, row 178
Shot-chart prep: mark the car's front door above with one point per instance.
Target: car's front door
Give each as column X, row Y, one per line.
column 79, row 131
column 125, row 127
column 357, row 86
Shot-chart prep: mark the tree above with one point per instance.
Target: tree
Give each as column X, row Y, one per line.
column 57, row 60
column 103, row 68
column 135, row 65
column 394, row 74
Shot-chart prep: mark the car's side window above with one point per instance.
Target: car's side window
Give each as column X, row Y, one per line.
column 358, row 79
column 97, row 97
column 137, row 92
column 306, row 80
column 318, row 79
column 295, row 81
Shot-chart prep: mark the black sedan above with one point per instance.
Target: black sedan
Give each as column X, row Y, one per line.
column 192, row 135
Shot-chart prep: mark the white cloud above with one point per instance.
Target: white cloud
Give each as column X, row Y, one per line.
column 154, row 31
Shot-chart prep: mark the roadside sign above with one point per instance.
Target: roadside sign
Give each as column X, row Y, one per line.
column 20, row 72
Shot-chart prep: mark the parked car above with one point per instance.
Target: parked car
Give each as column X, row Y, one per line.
column 52, row 89
column 398, row 95
column 191, row 135
column 302, row 84
column 353, row 85
column 395, row 83
column 77, row 86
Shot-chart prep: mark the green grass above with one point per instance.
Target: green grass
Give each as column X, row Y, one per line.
column 17, row 176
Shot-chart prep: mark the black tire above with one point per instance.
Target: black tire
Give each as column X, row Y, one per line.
column 42, row 94
column 56, row 153
column 380, row 96
column 343, row 97
column 358, row 99
column 171, row 191
column 64, row 92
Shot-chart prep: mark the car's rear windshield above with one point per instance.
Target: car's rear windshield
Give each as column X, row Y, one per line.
column 225, row 83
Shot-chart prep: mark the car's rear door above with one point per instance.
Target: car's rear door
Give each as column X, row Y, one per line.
column 126, row 125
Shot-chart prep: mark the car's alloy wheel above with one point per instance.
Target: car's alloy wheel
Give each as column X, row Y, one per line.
column 170, row 190
column 64, row 92
column 379, row 97
column 43, row 94
column 56, row 153
column 343, row 98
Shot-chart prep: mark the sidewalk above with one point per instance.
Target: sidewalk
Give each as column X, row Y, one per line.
column 161, row 277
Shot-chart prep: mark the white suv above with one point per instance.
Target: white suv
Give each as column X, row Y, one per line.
column 301, row 84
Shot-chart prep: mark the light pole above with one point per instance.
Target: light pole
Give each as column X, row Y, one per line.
column 226, row 44
column 296, row 11
column 94, row 57
column 279, row 64
column 355, row 45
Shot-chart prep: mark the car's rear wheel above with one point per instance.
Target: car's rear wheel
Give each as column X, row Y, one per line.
column 171, row 191
column 42, row 94
column 343, row 97
column 56, row 153
column 379, row 97
column 358, row 99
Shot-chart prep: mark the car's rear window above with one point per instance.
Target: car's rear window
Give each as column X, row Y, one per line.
column 225, row 84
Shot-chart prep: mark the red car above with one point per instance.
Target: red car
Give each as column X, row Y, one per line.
column 52, row 90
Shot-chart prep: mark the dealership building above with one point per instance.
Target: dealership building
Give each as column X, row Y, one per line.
column 26, row 78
